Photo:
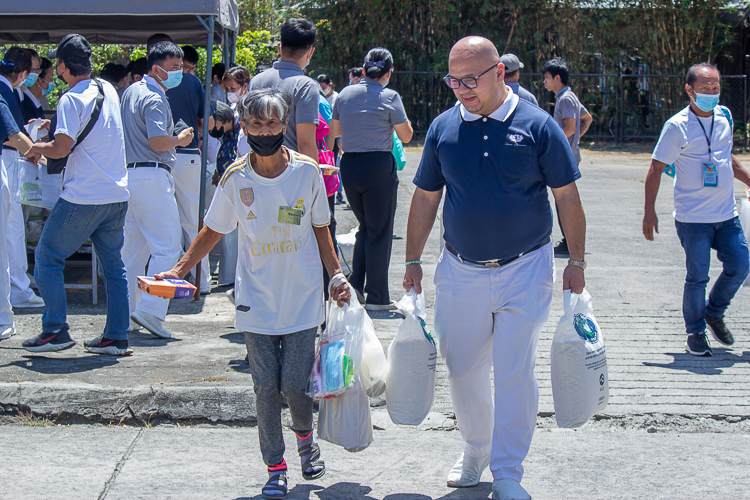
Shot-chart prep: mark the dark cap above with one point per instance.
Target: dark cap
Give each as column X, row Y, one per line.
column 511, row 62
column 73, row 48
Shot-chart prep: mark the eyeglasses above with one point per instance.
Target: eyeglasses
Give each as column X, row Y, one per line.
column 188, row 67
column 470, row 82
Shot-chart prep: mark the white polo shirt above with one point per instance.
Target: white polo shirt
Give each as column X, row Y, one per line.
column 684, row 144
column 95, row 173
column 279, row 285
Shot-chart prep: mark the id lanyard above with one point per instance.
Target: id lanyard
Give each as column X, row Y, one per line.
column 710, row 178
column 708, row 138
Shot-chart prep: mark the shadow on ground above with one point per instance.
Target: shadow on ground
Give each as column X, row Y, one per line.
column 722, row 358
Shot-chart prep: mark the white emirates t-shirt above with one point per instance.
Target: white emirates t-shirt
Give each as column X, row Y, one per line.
column 684, row 144
column 279, row 280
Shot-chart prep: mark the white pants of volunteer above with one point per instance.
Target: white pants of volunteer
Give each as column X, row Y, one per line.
column 187, row 177
column 494, row 316
column 6, row 312
column 16, row 245
column 152, row 227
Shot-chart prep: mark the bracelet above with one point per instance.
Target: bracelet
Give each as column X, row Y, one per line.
column 407, row 264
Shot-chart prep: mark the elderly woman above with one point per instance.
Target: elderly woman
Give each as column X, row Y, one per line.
column 365, row 116
column 278, row 199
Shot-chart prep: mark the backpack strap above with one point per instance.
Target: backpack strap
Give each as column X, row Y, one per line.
column 728, row 116
column 94, row 114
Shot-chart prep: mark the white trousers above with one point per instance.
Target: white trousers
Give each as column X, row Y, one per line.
column 152, row 227
column 16, row 246
column 187, row 179
column 6, row 312
column 487, row 317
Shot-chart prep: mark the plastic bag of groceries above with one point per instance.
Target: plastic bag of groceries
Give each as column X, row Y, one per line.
column 374, row 362
column 346, row 420
column 339, row 357
column 412, row 356
column 580, row 383
column 32, row 185
column 745, row 221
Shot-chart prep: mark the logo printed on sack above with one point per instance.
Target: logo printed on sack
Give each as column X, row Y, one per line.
column 247, row 196
column 585, row 328
column 601, row 379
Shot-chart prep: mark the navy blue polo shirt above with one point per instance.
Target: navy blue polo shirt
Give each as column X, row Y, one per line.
column 8, row 125
column 14, row 104
column 186, row 102
column 496, row 171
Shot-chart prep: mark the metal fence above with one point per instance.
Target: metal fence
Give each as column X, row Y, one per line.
column 624, row 106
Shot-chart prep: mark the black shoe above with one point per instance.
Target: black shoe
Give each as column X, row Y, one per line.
column 112, row 347
column 50, row 342
column 339, row 198
column 697, row 345
column 719, row 330
column 561, row 250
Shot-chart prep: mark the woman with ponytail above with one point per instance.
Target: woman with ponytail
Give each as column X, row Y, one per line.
column 365, row 116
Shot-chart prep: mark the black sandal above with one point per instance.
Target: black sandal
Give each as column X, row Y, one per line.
column 279, row 477
column 312, row 467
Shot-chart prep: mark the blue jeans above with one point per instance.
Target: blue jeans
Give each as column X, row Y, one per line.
column 731, row 248
column 67, row 228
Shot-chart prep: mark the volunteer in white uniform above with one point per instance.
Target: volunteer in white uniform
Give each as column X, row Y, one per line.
column 278, row 199
column 152, row 226
column 496, row 155
column 21, row 295
column 10, row 132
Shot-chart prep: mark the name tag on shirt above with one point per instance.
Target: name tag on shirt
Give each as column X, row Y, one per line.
column 710, row 177
column 289, row 215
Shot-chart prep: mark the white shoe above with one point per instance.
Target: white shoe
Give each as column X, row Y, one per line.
column 7, row 331
column 35, row 301
column 508, row 489
column 150, row 323
column 230, row 295
column 133, row 327
column 467, row 471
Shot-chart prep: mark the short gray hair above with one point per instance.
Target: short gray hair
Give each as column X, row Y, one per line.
column 265, row 104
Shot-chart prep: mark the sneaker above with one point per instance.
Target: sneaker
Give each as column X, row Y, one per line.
column 35, row 301
column 467, row 471
column 50, row 342
column 508, row 489
column 339, row 198
column 133, row 327
column 150, row 323
column 108, row 346
column 719, row 330
column 230, row 295
column 697, row 345
column 381, row 307
column 7, row 331
column 561, row 249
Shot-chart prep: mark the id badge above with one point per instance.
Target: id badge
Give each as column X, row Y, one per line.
column 710, row 177
column 289, row 215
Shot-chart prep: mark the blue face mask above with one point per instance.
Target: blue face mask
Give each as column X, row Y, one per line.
column 173, row 78
column 49, row 89
column 30, row 80
column 706, row 102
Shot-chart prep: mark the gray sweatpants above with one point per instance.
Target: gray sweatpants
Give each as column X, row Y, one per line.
column 281, row 363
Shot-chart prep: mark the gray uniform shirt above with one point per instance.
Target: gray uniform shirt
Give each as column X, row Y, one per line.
column 303, row 89
column 368, row 111
column 567, row 105
column 522, row 92
column 145, row 114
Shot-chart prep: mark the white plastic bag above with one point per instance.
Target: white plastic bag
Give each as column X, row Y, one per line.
column 339, row 357
column 412, row 356
column 346, row 420
column 32, row 185
column 580, row 382
column 345, row 243
column 745, row 221
column 374, row 363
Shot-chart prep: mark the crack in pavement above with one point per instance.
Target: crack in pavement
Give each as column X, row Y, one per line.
column 118, row 467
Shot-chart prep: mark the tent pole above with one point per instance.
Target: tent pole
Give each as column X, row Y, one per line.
column 204, row 149
column 233, row 57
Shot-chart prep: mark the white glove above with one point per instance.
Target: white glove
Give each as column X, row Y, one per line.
column 337, row 280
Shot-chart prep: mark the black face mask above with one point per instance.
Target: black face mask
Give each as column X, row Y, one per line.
column 265, row 145
column 216, row 132
column 60, row 78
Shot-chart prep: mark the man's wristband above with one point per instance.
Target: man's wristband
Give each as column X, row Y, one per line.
column 407, row 264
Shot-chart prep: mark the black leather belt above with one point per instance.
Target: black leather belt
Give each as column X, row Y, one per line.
column 9, row 147
column 497, row 262
column 152, row 164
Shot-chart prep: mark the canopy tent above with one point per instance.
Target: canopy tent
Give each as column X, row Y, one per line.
column 195, row 22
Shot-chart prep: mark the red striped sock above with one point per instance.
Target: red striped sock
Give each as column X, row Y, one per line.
column 278, row 468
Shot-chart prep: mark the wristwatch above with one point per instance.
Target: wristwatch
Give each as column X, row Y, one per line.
column 577, row 263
